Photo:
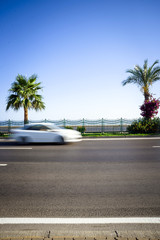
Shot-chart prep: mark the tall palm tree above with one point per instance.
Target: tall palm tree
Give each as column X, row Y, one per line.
column 144, row 77
column 24, row 93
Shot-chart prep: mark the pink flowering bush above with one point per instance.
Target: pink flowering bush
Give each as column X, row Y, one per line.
column 150, row 108
column 148, row 124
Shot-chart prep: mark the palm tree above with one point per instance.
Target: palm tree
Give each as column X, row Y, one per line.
column 144, row 77
column 24, row 93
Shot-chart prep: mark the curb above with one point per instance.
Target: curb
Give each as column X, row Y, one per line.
column 90, row 137
column 79, row 238
column 124, row 136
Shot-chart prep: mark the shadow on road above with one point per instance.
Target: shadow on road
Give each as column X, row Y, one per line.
column 9, row 142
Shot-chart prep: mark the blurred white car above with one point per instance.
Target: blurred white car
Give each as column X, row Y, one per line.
column 45, row 132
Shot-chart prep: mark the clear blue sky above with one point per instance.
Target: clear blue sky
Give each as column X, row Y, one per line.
column 80, row 50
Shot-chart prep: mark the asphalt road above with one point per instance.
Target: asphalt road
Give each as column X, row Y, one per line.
column 106, row 178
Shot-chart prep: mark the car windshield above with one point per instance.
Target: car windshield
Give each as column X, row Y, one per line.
column 41, row 127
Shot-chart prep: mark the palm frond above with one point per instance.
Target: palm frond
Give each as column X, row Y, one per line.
column 130, row 79
column 38, row 105
column 14, row 102
column 145, row 66
column 156, row 62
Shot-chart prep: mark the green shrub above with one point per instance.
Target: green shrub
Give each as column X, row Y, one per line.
column 2, row 134
column 81, row 129
column 69, row 127
column 145, row 126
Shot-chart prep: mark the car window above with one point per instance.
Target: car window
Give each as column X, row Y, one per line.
column 44, row 128
column 34, row 127
column 38, row 128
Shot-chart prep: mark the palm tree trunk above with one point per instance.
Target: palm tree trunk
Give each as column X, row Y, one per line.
column 146, row 96
column 25, row 115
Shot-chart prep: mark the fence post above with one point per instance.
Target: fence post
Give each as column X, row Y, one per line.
column 64, row 122
column 9, row 125
column 83, row 122
column 102, row 129
column 121, row 124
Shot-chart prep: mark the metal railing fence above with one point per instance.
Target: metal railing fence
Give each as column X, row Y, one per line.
column 99, row 125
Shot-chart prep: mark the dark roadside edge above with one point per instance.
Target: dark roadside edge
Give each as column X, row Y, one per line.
column 10, row 139
column 107, row 237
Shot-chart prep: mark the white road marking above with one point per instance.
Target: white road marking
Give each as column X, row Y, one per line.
column 156, row 146
column 121, row 139
column 15, row 148
column 3, row 165
column 136, row 220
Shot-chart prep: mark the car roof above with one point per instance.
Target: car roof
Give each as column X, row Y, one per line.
column 26, row 126
column 32, row 124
